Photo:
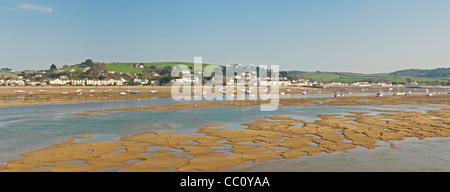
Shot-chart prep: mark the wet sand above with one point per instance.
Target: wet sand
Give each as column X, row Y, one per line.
column 274, row 138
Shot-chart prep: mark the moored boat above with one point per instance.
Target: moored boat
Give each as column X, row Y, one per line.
column 379, row 94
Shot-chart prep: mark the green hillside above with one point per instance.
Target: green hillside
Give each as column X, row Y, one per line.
column 125, row 67
column 354, row 77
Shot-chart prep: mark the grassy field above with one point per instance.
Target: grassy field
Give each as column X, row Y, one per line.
column 7, row 73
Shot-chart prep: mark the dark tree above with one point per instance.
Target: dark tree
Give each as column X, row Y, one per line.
column 88, row 63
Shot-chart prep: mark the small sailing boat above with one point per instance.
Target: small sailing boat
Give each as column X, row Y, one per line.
column 379, row 94
column 153, row 91
column 398, row 91
column 122, row 93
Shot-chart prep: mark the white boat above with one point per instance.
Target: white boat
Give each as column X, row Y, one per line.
column 42, row 91
column 136, row 92
column 20, row 92
column 106, row 91
column 338, row 94
column 91, row 90
column 430, row 94
column 31, row 94
column 282, row 93
column 379, row 94
column 122, row 93
column 64, row 93
column 153, row 91
column 78, row 92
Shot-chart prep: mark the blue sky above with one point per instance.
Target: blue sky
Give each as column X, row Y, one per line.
column 366, row 36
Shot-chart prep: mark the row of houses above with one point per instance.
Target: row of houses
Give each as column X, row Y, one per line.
column 82, row 82
column 19, row 82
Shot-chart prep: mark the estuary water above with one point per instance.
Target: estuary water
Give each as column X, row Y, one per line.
column 28, row 128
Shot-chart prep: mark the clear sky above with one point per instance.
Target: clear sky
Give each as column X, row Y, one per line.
column 366, row 36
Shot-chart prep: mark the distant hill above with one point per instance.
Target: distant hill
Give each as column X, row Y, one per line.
column 296, row 72
column 439, row 72
column 346, row 77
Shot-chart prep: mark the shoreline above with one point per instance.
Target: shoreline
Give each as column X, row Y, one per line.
column 53, row 94
column 276, row 137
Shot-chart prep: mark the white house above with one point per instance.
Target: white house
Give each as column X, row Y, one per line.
column 58, row 81
column 78, row 81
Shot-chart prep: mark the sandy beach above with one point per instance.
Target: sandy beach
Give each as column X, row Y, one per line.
column 274, row 138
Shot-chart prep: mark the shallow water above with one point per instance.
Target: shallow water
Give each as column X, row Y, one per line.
column 28, row 128
column 409, row 155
